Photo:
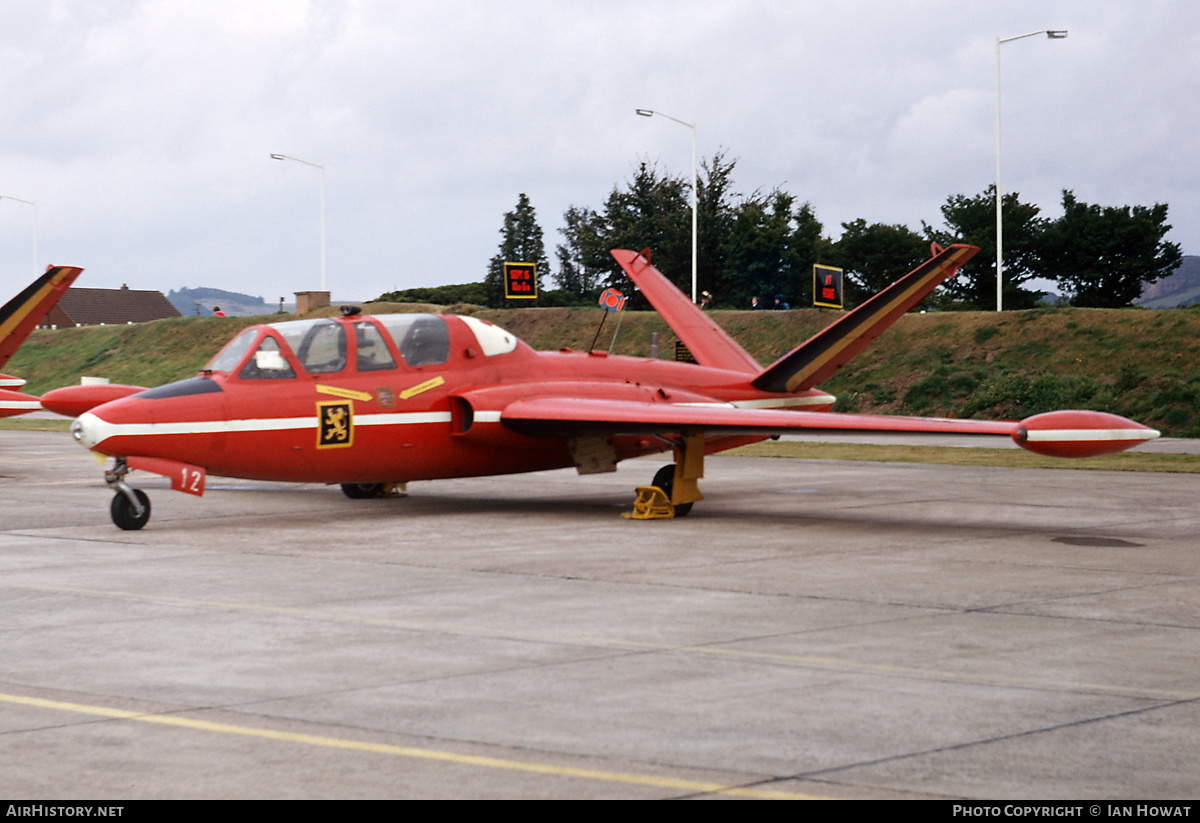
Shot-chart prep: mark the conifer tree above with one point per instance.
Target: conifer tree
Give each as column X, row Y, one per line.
column 521, row 242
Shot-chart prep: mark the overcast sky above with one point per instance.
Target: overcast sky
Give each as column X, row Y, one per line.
column 143, row 129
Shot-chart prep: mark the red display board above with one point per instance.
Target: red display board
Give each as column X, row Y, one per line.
column 827, row 286
column 520, row 281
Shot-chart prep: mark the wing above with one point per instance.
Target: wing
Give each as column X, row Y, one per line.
column 1062, row 434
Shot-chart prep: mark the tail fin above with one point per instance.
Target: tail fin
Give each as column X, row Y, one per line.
column 22, row 314
column 817, row 359
column 707, row 341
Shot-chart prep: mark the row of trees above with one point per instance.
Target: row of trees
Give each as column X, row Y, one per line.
column 765, row 243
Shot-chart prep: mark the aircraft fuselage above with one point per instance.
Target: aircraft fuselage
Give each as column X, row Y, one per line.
column 343, row 401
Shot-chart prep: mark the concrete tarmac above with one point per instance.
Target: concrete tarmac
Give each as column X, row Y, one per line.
column 812, row 629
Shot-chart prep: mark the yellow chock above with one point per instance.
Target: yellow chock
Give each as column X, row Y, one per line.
column 394, row 490
column 652, row 504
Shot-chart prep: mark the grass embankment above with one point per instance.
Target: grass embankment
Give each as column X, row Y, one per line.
column 1138, row 363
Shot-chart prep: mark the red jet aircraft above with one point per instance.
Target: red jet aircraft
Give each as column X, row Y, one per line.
column 18, row 318
column 375, row 402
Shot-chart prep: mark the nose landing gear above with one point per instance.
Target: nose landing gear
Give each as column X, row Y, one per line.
column 130, row 507
column 130, row 515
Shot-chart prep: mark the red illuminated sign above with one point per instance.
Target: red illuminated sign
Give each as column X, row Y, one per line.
column 520, row 281
column 827, row 286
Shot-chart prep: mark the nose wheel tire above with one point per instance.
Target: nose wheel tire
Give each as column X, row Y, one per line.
column 123, row 513
column 664, row 478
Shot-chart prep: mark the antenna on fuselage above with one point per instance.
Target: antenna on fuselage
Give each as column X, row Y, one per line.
column 610, row 300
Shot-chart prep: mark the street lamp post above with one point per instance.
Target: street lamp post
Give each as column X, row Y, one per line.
column 35, row 225
column 1053, row 35
column 322, row 169
column 649, row 113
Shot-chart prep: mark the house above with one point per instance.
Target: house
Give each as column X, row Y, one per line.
column 96, row 307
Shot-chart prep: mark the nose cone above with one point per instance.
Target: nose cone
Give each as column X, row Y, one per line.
column 87, row 429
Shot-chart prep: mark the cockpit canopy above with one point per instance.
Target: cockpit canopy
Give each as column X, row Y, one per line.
column 321, row 346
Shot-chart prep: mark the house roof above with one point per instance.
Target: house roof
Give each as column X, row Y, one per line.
column 90, row 307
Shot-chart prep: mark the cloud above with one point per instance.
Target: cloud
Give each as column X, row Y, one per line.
column 143, row 129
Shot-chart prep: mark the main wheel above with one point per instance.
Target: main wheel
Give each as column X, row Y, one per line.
column 664, row 478
column 361, row 491
column 122, row 511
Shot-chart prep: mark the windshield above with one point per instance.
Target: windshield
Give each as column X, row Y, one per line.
column 267, row 363
column 229, row 356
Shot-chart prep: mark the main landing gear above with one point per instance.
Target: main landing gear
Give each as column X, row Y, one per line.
column 674, row 489
column 130, row 507
column 366, row 491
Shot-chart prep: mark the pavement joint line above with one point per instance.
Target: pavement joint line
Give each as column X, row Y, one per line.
column 987, row 741
column 694, row 786
column 833, row 663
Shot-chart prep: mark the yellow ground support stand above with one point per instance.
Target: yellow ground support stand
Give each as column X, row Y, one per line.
column 651, row 504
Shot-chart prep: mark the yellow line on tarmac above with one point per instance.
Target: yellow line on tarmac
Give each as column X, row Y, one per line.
column 692, row 786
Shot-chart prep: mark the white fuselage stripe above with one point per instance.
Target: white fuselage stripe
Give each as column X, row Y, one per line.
column 99, row 430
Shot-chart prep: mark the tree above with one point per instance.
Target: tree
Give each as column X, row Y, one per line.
column 581, row 261
column 655, row 212
column 1103, row 255
column 521, row 243
column 758, row 263
column 746, row 246
column 652, row 211
column 714, row 223
column 876, row 255
column 973, row 220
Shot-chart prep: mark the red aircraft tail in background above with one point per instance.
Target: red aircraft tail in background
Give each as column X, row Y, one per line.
column 18, row 318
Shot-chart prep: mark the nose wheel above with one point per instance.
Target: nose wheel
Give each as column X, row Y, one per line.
column 126, row 515
column 130, row 507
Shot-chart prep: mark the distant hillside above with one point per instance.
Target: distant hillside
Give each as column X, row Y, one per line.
column 192, row 302
column 1182, row 288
